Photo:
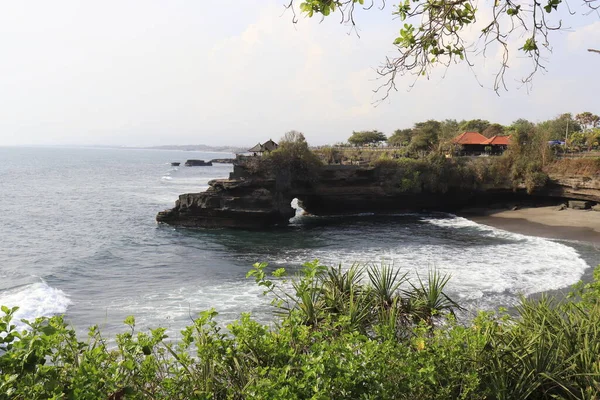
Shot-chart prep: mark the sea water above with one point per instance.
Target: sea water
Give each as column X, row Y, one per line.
column 78, row 236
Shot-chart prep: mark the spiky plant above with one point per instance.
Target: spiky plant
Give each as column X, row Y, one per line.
column 385, row 281
column 339, row 284
column 427, row 301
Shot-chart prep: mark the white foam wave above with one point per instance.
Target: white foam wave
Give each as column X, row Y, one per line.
column 482, row 270
column 166, row 178
column 35, row 300
column 180, row 305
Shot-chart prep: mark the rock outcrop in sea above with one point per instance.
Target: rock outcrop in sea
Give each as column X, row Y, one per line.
column 198, row 163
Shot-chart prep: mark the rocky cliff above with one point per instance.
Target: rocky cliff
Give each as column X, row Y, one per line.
column 573, row 187
column 250, row 201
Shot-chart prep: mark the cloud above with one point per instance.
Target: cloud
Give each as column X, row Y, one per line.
column 181, row 72
column 584, row 37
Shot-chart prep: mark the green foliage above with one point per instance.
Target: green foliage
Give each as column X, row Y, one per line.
column 434, row 33
column 329, row 155
column 559, row 127
column 293, row 158
column 363, row 138
column 438, row 174
column 493, row 130
column 589, row 139
column 449, row 129
column 400, row 137
column 339, row 337
column 474, row 125
column 520, row 130
column 425, row 135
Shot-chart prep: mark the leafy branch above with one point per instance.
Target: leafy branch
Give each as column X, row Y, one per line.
column 437, row 32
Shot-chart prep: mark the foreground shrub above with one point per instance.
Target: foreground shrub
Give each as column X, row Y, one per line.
column 361, row 333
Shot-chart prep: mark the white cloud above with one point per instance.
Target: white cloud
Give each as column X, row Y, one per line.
column 585, row 37
column 182, row 72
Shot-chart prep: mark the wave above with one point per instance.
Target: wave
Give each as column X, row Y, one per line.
column 180, row 306
column 35, row 300
column 488, row 266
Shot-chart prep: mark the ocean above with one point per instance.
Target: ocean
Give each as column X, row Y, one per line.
column 78, row 236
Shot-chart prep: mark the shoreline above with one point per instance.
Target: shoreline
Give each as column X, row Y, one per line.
column 581, row 226
column 547, row 222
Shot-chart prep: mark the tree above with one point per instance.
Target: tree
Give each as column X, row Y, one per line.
column 437, row 32
column 400, row 137
column 449, row 129
column 293, row 155
column 426, row 135
column 577, row 139
column 474, row 125
column 588, row 120
column 363, row 138
column 592, row 138
column 559, row 127
column 493, row 130
column 294, row 142
column 522, row 129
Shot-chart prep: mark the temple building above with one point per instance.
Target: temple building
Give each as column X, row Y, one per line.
column 266, row 147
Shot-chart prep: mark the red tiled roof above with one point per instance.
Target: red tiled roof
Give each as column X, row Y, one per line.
column 469, row 138
column 498, row 141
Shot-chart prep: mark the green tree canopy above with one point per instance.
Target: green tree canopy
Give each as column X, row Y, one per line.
column 559, row 127
column 400, row 137
column 293, row 155
column 449, row 129
column 474, row 125
column 426, row 135
column 436, row 32
column 522, row 129
column 493, row 130
column 294, row 144
column 363, row 138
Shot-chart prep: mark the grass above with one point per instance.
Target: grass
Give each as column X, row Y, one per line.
column 575, row 167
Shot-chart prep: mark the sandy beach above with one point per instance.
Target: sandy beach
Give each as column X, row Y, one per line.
column 548, row 221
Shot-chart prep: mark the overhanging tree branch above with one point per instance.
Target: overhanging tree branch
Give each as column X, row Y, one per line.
column 438, row 32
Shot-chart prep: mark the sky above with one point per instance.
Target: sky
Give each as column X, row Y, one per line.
column 236, row 72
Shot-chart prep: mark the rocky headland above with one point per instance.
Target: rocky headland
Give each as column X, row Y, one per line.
column 255, row 200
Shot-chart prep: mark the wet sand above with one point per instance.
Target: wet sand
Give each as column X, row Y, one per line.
column 549, row 222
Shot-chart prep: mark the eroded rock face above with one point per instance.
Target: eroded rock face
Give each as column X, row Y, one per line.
column 574, row 187
column 230, row 204
column 251, row 202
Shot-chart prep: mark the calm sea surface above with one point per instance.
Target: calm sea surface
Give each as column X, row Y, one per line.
column 78, row 236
